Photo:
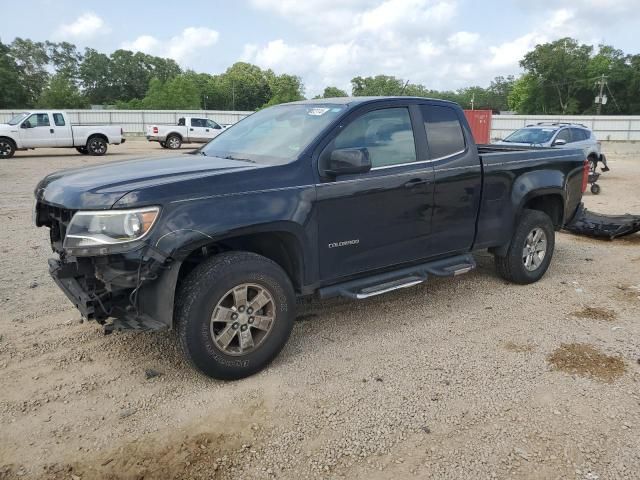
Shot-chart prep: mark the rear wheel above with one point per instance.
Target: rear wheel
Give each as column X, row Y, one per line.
column 7, row 148
column 234, row 314
column 595, row 189
column 174, row 142
column 97, row 146
column 530, row 251
column 82, row 150
column 163, row 144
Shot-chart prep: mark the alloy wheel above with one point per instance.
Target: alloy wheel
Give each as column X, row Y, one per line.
column 242, row 319
column 535, row 249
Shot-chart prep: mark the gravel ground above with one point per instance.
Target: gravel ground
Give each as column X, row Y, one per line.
column 460, row 378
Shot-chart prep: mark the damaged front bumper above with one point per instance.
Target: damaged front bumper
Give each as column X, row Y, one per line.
column 599, row 225
column 139, row 297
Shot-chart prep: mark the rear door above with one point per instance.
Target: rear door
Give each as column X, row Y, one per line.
column 37, row 131
column 458, row 180
column 62, row 131
column 380, row 218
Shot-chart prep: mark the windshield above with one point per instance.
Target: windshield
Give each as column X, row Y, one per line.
column 18, row 118
column 275, row 135
column 531, row 135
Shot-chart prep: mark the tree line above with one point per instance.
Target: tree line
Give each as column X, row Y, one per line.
column 560, row 77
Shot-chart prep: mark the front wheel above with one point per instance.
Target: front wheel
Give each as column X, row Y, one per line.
column 595, row 188
column 82, row 150
column 235, row 312
column 97, row 146
column 7, row 148
column 530, row 251
column 163, row 144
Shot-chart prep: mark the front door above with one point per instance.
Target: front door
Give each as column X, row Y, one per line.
column 36, row 131
column 62, row 131
column 380, row 218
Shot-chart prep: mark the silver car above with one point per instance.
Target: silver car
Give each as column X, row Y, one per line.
column 559, row 135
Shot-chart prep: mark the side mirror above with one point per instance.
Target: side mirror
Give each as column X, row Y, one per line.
column 344, row 161
column 559, row 142
column 25, row 125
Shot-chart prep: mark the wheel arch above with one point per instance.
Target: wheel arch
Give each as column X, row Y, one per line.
column 97, row 135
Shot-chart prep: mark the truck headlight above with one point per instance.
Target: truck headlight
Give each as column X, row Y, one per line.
column 109, row 227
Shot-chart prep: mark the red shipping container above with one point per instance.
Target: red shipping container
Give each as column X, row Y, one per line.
column 480, row 123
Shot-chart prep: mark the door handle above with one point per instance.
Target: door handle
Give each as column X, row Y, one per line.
column 414, row 182
column 207, row 130
column 191, row 129
column 51, row 130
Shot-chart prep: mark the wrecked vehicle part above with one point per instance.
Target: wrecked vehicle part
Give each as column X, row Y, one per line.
column 599, row 225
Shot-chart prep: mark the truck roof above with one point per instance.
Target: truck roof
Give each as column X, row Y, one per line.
column 352, row 101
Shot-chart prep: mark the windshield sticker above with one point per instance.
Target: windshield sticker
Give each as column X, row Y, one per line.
column 317, row 111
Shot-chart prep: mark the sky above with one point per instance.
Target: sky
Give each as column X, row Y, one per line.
column 442, row 44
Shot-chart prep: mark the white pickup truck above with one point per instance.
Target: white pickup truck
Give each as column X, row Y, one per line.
column 188, row 130
column 52, row 128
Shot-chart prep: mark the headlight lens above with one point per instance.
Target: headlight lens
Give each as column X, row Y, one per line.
column 109, row 227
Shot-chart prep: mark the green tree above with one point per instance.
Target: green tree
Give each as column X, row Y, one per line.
column 61, row 92
column 12, row 91
column 95, row 77
column 333, row 92
column 561, row 69
column 283, row 88
column 180, row 92
column 376, row 86
column 32, row 60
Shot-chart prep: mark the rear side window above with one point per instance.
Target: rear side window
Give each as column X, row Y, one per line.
column 578, row 134
column 58, row 119
column 387, row 135
column 444, row 132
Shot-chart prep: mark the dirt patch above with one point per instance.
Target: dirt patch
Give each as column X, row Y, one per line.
column 519, row 347
column 595, row 313
column 630, row 239
column 585, row 360
column 630, row 293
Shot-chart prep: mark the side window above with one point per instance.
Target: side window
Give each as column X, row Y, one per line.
column 37, row 120
column 579, row 135
column 181, row 122
column 387, row 135
column 58, row 119
column 198, row 122
column 444, row 132
column 564, row 134
column 43, row 119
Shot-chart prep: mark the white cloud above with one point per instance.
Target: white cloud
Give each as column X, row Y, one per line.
column 182, row 48
column 86, row 26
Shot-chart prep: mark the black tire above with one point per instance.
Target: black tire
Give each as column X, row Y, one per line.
column 595, row 188
column 163, row 144
column 201, row 293
column 173, row 142
column 97, row 146
column 82, row 150
column 7, row 148
column 512, row 267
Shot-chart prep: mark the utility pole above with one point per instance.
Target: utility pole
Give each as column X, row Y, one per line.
column 473, row 100
column 602, row 82
column 233, row 95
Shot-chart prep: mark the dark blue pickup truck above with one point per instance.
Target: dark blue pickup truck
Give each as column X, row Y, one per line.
column 348, row 197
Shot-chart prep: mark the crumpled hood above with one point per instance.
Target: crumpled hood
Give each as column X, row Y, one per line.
column 101, row 186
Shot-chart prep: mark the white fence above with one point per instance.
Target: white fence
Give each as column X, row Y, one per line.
column 134, row 122
column 606, row 127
